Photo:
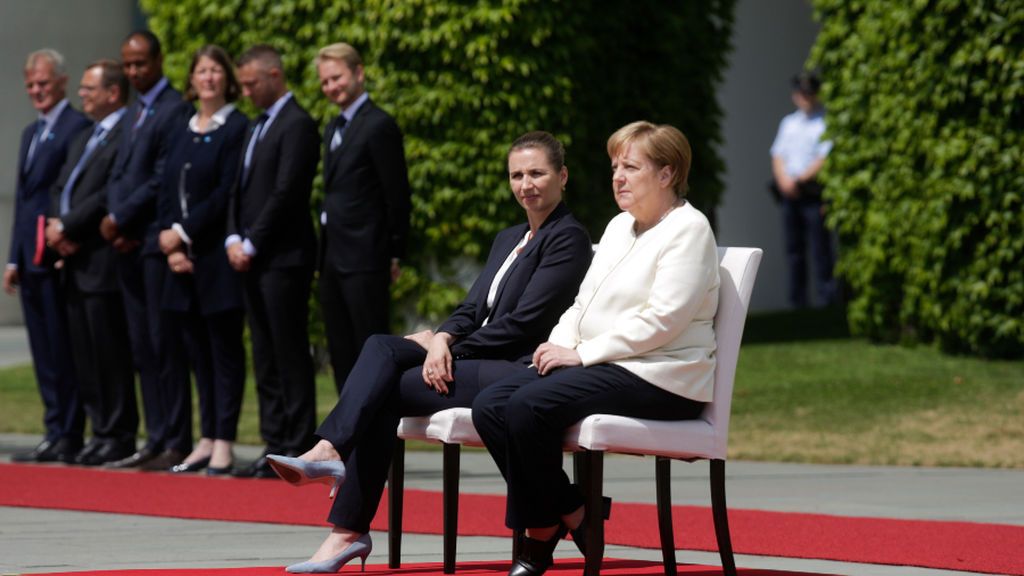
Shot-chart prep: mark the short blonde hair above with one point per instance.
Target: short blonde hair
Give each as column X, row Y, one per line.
column 665, row 145
column 340, row 51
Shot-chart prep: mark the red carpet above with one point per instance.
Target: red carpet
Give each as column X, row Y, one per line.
column 562, row 568
column 990, row 548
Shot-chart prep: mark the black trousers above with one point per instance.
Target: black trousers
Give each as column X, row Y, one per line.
column 157, row 351
column 523, row 418
column 43, row 307
column 103, row 362
column 803, row 226
column 214, row 344
column 277, row 302
column 386, row 384
column 355, row 307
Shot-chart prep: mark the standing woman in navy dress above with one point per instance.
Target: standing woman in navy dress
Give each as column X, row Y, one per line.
column 203, row 291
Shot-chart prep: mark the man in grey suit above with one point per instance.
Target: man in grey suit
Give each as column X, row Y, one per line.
column 96, row 320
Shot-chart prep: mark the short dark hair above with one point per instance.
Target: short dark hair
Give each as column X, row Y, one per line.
column 155, row 49
column 112, row 74
column 265, row 53
column 544, row 141
column 233, row 89
column 806, row 83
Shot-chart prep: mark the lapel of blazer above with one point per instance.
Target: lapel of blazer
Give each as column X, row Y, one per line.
column 352, row 132
column 503, row 251
column 532, row 246
column 272, row 132
column 102, row 146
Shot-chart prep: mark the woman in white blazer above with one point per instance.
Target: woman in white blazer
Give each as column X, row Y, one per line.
column 638, row 340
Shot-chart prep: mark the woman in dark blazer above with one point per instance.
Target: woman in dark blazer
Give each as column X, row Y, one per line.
column 530, row 277
column 204, row 294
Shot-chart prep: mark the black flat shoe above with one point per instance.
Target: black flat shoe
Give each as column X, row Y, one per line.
column 579, row 533
column 190, row 467
column 535, row 556
column 220, row 470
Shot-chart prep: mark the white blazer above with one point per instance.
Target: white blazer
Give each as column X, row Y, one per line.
column 648, row 303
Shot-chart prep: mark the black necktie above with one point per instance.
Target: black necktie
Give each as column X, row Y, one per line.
column 256, row 132
column 339, row 130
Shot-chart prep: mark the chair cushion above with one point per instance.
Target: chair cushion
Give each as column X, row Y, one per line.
column 683, row 439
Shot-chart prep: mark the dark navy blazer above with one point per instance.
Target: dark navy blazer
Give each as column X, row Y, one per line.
column 539, row 286
column 138, row 172
column 33, row 195
column 203, row 167
column 93, row 267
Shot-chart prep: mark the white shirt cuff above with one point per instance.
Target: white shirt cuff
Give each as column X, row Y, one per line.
column 323, row 218
column 181, row 232
column 112, row 217
column 231, row 240
column 247, row 248
column 12, row 266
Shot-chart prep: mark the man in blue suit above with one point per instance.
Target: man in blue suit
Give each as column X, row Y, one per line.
column 44, row 147
column 131, row 226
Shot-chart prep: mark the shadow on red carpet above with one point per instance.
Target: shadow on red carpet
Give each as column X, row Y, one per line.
column 990, row 548
column 610, row 567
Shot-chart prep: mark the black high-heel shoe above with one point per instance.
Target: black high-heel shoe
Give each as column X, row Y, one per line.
column 536, row 556
column 579, row 533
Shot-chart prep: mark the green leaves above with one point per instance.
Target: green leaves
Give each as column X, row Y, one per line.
column 464, row 79
column 925, row 180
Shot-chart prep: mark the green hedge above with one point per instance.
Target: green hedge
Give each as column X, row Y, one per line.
column 926, row 178
column 463, row 79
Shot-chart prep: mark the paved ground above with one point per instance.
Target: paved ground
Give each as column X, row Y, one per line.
column 33, row 541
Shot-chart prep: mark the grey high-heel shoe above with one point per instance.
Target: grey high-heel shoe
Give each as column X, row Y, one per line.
column 298, row 472
column 359, row 549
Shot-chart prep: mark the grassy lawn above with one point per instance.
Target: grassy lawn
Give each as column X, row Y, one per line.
column 805, row 392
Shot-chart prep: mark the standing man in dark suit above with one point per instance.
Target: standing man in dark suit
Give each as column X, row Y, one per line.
column 366, row 210
column 271, row 240
column 44, row 147
column 98, row 328
column 131, row 226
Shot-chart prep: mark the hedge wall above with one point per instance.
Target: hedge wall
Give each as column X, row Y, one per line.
column 926, row 178
column 463, row 79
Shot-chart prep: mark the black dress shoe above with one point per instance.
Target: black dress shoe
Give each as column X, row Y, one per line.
column 64, row 450
column 134, row 459
column 191, row 467
column 164, row 461
column 33, row 454
column 85, row 454
column 536, row 556
column 258, row 469
column 109, row 451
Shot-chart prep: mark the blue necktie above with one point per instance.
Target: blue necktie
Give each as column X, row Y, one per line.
column 90, row 147
column 40, row 125
column 257, row 133
column 339, row 131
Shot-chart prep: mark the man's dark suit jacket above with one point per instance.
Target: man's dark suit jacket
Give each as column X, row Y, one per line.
column 33, row 195
column 272, row 208
column 539, row 286
column 93, row 267
column 203, row 166
column 366, row 193
column 138, row 172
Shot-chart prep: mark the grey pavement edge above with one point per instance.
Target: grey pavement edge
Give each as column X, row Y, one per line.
column 33, row 540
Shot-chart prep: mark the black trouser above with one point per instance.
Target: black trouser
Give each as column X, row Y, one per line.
column 523, row 418
column 804, row 224
column 385, row 384
column 277, row 302
column 355, row 306
column 103, row 362
column 218, row 360
column 157, row 351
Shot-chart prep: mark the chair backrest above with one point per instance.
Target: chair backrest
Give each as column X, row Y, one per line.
column 738, row 270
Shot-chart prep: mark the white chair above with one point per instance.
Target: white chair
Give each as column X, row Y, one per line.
column 705, row 438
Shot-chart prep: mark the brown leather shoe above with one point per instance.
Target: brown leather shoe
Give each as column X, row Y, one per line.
column 164, row 461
